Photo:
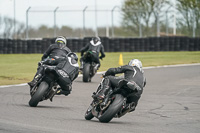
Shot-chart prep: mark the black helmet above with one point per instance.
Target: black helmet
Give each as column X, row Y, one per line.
column 74, row 57
column 61, row 39
column 96, row 39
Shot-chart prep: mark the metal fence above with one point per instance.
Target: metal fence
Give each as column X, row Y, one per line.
column 165, row 17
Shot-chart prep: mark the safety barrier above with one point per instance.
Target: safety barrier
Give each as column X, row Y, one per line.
column 8, row 46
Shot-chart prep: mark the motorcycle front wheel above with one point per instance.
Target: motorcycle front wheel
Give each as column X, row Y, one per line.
column 112, row 110
column 35, row 99
column 88, row 113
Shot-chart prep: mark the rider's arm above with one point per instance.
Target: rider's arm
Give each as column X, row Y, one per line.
column 84, row 49
column 113, row 71
column 102, row 52
column 67, row 49
column 47, row 52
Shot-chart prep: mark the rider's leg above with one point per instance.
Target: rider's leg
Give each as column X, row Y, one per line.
column 65, row 91
column 97, row 61
column 108, row 83
column 66, row 86
column 105, row 87
column 81, row 63
column 36, row 77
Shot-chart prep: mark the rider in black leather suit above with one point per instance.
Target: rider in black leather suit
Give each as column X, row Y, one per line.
column 68, row 71
column 55, row 54
column 132, row 72
column 96, row 47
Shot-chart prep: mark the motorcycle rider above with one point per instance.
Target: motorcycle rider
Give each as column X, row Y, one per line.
column 134, row 73
column 68, row 71
column 52, row 56
column 95, row 46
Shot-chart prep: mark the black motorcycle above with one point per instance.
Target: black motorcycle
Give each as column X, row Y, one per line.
column 46, row 87
column 88, row 67
column 113, row 105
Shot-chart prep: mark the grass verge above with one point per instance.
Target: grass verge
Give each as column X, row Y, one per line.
column 20, row 68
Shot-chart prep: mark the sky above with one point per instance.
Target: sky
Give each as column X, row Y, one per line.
column 72, row 18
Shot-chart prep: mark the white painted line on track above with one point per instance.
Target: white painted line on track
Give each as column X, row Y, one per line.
column 181, row 65
column 4, row 86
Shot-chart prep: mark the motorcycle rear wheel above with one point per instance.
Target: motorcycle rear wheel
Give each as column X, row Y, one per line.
column 86, row 73
column 112, row 110
column 35, row 99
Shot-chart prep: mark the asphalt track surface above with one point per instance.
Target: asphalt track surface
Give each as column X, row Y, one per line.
column 170, row 104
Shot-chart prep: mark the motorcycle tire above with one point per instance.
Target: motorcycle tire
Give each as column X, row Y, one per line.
column 112, row 110
column 35, row 99
column 88, row 114
column 86, row 73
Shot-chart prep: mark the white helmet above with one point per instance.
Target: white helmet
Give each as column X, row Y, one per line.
column 61, row 39
column 96, row 39
column 73, row 59
column 135, row 62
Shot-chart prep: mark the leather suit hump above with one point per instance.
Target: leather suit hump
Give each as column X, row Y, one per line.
column 56, row 51
column 70, row 69
column 95, row 48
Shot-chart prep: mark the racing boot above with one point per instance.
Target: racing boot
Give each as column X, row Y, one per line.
column 65, row 91
column 96, row 67
column 81, row 64
column 34, row 81
column 102, row 94
column 105, row 88
column 81, row 67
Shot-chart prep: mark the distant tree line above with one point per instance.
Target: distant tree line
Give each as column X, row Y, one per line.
column 143, row 15
column 7, row 28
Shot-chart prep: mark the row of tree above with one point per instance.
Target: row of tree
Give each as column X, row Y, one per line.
column 149, row 14
column 140, row 18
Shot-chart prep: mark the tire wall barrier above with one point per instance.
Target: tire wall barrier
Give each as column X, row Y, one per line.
column 8, row 46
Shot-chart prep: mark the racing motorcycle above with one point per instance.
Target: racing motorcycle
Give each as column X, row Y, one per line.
column 46, row 87
column 89, row 69
column 113, row 105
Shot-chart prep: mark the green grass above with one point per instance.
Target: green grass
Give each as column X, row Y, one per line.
column 20, row 68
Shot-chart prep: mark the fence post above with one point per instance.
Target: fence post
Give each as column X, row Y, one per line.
column 55, row 34
column 84, row 20
column 27, row 22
